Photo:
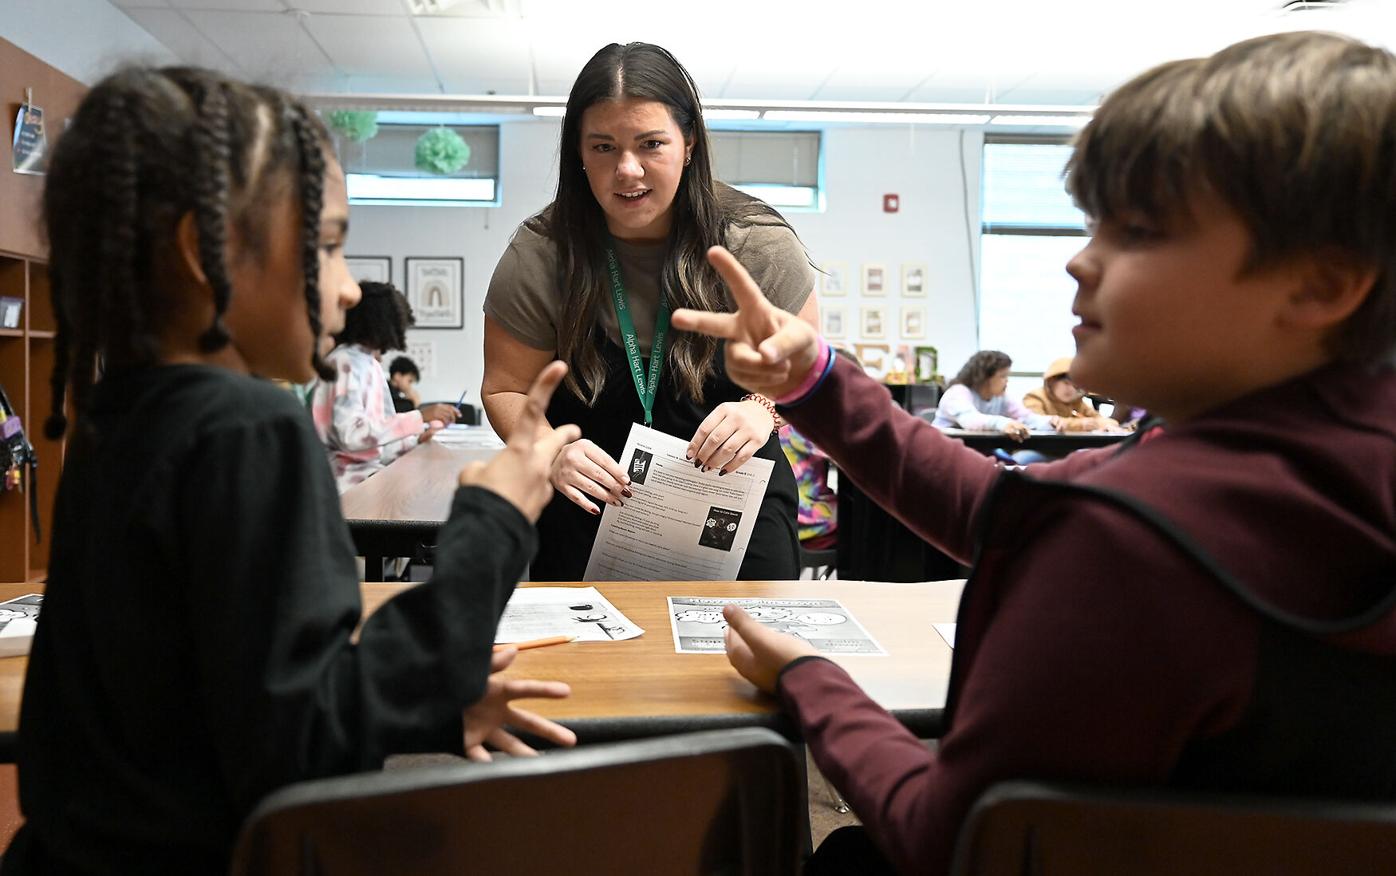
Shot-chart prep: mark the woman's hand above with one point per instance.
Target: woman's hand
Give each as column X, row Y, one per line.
column 520, row 471
column 447, row 414
column 768, row 350
column 758, row 652
column 1014, row 429
column 485, row 719
column 581, row 470
column 730, row 435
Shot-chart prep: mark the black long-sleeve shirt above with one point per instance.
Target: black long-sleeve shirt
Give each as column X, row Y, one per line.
column 194, row 650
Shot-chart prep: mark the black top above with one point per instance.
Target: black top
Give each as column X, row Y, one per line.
column 568, row 531
column 401, row 403
column 194, row 649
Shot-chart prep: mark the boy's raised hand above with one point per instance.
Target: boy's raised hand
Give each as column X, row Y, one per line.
column 769, row 350
column 520, row 472
column 758, row 652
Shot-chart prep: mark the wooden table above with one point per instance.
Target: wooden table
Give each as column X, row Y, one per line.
column 1051, row 443
column 641, row 687
column 397, row 512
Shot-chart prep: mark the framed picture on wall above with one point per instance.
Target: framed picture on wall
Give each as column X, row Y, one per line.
column 913, row 280
column 927, row 364
column 834, row 279
column 874, row 279
column 834, row 319
column 436, row 292
column 874, row 322
column 874, row 358
column 913, row 325
column 377, row 269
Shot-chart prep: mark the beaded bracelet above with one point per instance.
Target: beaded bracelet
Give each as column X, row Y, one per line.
column 770, row 406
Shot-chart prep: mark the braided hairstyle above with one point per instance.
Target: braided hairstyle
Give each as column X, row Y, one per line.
column 146, row 147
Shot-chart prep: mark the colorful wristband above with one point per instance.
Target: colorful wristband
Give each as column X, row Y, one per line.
column 816, row 373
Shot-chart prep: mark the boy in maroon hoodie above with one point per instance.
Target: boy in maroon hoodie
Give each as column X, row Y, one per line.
column 1240, row 282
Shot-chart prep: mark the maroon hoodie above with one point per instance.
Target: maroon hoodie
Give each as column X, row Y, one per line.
column 1250, row 646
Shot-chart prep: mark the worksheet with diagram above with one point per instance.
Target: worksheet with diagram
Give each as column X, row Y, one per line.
column 698, row 624
column 682, row 523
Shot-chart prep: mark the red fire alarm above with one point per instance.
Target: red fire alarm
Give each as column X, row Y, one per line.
column 891, row 203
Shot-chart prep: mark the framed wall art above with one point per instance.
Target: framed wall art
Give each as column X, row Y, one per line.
column 436, row 292
column 377, row 269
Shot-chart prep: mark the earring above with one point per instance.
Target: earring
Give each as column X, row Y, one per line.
column 687, row 159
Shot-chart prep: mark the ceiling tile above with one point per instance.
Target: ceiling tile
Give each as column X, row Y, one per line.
column 266, row 46
column 232, row 5
column 171, row 28
column 352, row 7
column 478, row 55
column 372, row 46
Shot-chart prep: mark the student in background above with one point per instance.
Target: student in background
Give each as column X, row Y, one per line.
column 200, row 644
column 403, row 377
column 353, row 413
column 1060, row 397
column 1252, row 646
column 976, row 400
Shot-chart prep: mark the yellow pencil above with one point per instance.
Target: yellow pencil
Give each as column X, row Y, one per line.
column 536, row 643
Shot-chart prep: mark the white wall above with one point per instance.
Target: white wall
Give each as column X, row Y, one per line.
column 921, row 165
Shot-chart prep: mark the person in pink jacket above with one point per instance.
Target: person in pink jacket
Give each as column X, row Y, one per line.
column 354, row 413
column 1252, row 648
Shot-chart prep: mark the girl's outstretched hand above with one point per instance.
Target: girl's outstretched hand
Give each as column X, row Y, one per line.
column 486, row 718
column 769, row 350
column 520, row 472
column 758, row 652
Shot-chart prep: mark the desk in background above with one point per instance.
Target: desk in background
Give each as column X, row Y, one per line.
column 874, row 545
column 641, row 687
column 397, row 512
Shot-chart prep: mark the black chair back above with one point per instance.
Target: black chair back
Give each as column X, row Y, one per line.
column 717, row 802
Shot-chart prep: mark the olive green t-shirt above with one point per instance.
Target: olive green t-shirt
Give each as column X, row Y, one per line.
column 525, row 299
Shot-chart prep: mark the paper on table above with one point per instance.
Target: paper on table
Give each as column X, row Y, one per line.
column 539, row 612
column 682, row 524
column 947, row 632
column 698, row 625
column 18, row 619
column 459, row 435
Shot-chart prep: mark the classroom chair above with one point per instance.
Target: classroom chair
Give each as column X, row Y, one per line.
column 724, row 801
column 822, row 565
column 1045, row 829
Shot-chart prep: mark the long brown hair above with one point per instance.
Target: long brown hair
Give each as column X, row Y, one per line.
column 703, row 210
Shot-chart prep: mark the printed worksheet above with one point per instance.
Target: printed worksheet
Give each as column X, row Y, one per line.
column 18, row 619
column 682, row 524
column 698, row 624
column 541, row 612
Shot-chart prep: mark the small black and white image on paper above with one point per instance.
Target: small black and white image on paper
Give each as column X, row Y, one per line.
column 720, row 529
column 640, row 465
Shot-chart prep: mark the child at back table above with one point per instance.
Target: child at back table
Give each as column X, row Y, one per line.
column 195, row 650
column 353, row 412
column 1252, row 647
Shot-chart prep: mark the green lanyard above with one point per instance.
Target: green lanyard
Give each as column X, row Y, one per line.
column 644, row 388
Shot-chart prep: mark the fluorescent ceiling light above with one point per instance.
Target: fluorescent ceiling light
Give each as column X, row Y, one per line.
column 430, row 7
column 875, row 118
column 730, row 114
column 1041, row 121
column 550, row 112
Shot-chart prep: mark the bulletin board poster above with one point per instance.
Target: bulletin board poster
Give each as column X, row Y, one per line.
column 30, row 144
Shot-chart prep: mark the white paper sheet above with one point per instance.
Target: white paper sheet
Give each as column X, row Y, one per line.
column 947, row 632
column 541, row 612
column 698, row 625
column 458, row 435
column 682, row 524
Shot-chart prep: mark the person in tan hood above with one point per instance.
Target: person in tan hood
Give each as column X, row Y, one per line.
column 1058, row 396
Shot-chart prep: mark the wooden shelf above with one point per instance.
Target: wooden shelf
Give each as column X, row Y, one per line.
column 43, row 336
column 11, row 333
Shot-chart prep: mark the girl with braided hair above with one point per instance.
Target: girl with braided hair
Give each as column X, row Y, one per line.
column 196, row 649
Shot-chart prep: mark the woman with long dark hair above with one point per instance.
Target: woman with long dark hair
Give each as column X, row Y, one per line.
column 624, row 242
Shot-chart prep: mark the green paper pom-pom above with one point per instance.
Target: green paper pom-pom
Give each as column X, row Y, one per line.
column 442, row 151
column 355, row 125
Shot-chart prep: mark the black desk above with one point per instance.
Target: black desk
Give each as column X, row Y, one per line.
column 875, row 546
